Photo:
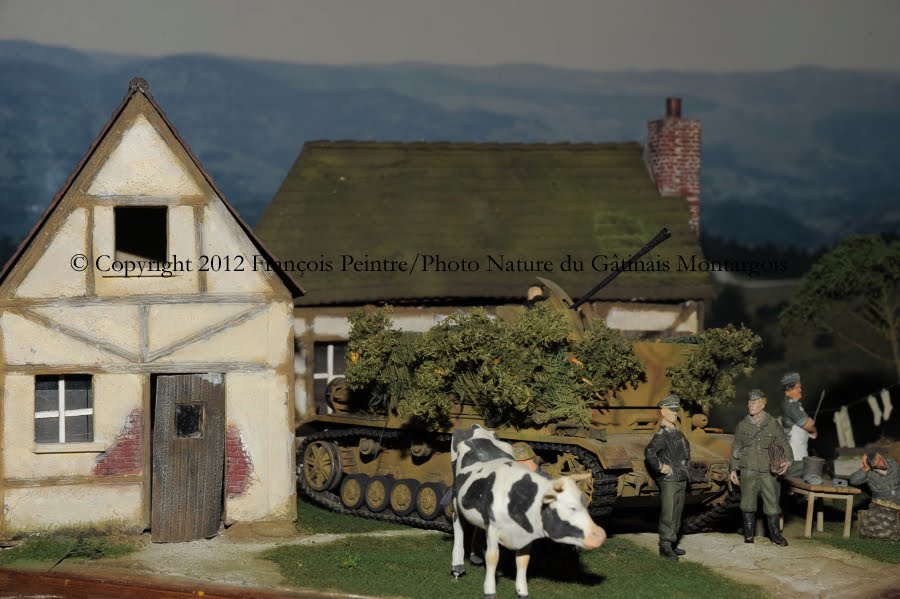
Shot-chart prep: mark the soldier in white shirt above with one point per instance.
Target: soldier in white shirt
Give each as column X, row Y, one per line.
column 797, row 425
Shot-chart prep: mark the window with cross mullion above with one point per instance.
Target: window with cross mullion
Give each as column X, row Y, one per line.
column 63, row 408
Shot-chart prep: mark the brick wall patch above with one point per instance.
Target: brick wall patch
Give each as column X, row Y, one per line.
column 126, row 454
column 238, row 466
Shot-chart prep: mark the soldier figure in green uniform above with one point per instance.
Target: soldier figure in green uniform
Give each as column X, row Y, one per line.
column 669, row 456
column 750, row 455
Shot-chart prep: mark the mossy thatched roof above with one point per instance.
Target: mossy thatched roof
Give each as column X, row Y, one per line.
column 518, row 202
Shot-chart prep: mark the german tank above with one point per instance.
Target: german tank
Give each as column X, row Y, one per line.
column 377, row 464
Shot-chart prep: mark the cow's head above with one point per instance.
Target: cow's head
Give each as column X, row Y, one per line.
column 565, row 518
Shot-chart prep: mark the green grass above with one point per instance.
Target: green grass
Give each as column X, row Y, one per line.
column 419, row 567
column 50, row 548
column 313, row 519
column 877, row 549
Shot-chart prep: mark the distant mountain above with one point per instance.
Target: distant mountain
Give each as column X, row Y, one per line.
column 791, row 158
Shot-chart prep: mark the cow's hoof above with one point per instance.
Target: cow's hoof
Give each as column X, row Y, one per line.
column 518, row 596
column 491, row 596
column 458, row 571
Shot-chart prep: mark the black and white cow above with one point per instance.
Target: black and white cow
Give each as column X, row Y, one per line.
column 514, row 506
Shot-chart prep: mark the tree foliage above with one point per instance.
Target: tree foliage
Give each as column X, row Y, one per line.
column 853, row 293
column 525, row 373
column 706, row 377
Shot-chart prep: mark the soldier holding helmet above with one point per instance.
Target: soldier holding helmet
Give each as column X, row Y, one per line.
column 750, row 456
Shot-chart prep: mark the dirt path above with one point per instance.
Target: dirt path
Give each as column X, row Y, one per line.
column 232, row 558
column 803, row 569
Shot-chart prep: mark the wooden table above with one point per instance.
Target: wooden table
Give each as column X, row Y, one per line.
column 826, row 491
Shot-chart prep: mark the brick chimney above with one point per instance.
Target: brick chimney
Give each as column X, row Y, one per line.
column 672, row 154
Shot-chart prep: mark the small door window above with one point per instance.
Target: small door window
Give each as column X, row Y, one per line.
column 188, row 420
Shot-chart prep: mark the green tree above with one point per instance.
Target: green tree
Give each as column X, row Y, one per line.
column 853, row 293
column 721, row 355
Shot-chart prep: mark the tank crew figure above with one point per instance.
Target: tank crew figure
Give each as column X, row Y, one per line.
column 882, row 475
column 534, row 296
column 798, row 426
column 750, row 456
column 669, row 456
column 525, row 455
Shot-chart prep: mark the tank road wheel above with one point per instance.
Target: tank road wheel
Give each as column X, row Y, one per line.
column 378, row 493
column 566, row 465
column 403, row 497
column 321, row 465
column 428, row 500
column 353, row 491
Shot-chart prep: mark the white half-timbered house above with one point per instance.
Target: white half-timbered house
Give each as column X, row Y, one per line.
column 160, row 400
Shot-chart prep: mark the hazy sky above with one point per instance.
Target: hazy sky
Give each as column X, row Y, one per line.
column 590, row 34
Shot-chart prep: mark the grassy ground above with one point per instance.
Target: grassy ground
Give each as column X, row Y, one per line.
column 420, row 567
column 52, row 548
column 877, row 549
column 313, row 519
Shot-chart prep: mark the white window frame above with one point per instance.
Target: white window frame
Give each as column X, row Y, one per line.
column 61, row 409
column 329, row 374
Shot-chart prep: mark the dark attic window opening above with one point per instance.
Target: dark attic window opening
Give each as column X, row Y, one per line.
column 141, row 233
column 188, row 420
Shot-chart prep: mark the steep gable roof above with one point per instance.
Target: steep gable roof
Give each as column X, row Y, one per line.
column 135, row 86
column 468, row 201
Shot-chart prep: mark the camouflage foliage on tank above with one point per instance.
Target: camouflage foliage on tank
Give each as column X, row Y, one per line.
column 526, row 372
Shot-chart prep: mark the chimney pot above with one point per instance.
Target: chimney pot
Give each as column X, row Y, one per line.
column 673, row 107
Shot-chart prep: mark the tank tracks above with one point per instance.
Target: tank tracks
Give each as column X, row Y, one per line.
column 332, row 501
column 605, row 484
column 712, row 518
column 600, row 507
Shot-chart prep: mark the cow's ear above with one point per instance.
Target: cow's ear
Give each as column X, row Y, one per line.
column 549, row 497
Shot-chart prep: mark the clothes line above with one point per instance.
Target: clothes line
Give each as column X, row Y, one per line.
column 856, row 402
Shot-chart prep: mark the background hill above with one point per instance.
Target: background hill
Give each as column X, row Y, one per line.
column 792, row 158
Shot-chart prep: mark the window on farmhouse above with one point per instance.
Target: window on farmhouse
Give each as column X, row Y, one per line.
column 63, row 408
column 330, row 362
column 141, row 232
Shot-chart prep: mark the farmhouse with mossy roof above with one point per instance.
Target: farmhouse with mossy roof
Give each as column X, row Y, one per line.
column 435, row 227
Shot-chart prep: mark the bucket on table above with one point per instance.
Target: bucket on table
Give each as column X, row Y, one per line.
column 812, row 470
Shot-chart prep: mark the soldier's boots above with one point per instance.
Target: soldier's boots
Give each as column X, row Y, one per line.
column 665, row 550
column 775, row 531
column 749, row 526
column 678, row 550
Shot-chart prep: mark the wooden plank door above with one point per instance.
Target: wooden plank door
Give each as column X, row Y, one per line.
column 188, row 457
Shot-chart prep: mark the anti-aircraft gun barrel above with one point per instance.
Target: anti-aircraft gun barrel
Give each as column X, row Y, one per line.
column 657, row 239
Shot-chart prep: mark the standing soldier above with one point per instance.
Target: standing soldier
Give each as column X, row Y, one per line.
column 750, row 455
column 669, row 456
column 797, row 425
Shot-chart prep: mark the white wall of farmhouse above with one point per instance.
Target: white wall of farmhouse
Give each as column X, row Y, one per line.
column 62, row 318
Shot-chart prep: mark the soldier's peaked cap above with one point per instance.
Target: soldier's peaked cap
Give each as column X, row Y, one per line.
column 671, row 402
column 790, row 379
column 757, row 394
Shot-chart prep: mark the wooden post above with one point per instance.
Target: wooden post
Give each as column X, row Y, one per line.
column 810, row 505
column 848, row 515
column 820, row 521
